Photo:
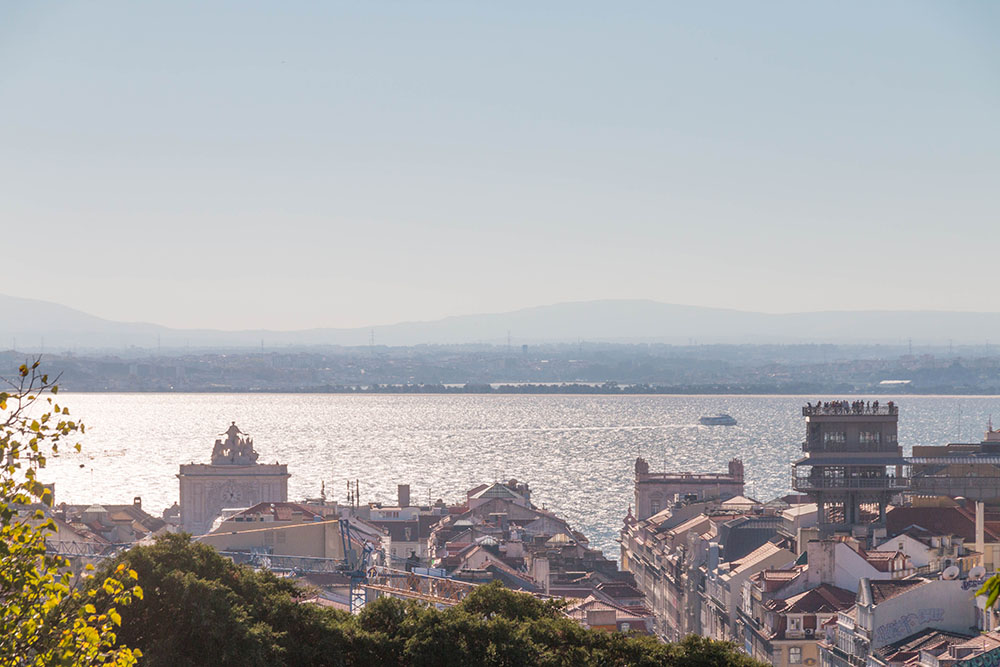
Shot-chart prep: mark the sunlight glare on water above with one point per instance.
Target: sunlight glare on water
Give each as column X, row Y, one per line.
column 576, row 452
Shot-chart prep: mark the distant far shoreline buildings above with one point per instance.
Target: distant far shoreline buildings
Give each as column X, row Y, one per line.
column 579, row 368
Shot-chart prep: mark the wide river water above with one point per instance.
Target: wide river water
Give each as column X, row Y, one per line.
column 576, row 452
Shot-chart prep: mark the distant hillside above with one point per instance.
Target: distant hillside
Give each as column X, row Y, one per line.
column 37, row 324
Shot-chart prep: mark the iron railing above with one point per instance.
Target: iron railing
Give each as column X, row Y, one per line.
column 849, row 410
column 891, row 483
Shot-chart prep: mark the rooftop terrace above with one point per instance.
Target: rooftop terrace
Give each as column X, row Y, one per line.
column 850, row 408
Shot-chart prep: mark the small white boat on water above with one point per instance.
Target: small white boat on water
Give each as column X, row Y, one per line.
column 718, row 420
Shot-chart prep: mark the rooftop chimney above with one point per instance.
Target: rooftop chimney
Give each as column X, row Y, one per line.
column 403, row 492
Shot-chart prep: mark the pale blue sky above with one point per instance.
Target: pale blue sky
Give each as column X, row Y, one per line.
column 290, row 165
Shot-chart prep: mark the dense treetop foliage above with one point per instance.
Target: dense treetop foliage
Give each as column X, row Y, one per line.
column 200, row 608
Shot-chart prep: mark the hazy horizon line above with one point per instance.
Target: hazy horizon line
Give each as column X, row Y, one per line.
column 403, row 322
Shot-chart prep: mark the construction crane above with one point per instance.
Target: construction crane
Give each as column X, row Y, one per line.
column 355, row 566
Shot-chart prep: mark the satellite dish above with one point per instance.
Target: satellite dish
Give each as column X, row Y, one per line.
column 951, row 572
column 978, row 572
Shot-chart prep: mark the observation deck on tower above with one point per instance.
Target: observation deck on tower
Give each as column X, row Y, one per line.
column 853, row 465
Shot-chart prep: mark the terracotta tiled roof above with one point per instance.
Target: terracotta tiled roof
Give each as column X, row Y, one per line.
column 280, row 512
column 882, row 560
column 946, row 520
column 779, row 575
column 887, row 589
column 693, row 523
column 984, row 642
column 824, row 599
column 930, row 639
column 497, row 490
column 116, row 513
column 755, row 557
column 579, row 609
column 323, row 602
column 881, row 555
column 616, row 590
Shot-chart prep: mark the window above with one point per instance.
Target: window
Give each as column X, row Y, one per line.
column 870, row 437
column 656, row 502
column 834, row 437
column 794, row 623
column 626, row 627
column 794, row 655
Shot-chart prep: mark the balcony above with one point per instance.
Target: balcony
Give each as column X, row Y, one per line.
column 850, row 483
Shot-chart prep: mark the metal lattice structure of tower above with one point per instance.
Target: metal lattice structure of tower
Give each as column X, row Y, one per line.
column 853, row 466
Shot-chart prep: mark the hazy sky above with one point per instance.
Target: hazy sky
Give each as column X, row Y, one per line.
column 295, row 164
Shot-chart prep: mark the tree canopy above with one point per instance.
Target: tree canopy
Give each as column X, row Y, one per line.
column 200, row 608
column 48, row 615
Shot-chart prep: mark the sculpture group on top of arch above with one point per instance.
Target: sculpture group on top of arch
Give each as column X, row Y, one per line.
column 235, row 450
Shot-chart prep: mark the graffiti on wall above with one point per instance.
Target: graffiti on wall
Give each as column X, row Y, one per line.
column 907, row 624
column 988, row 659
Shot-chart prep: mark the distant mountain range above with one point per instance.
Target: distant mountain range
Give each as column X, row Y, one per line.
column 37, row 325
